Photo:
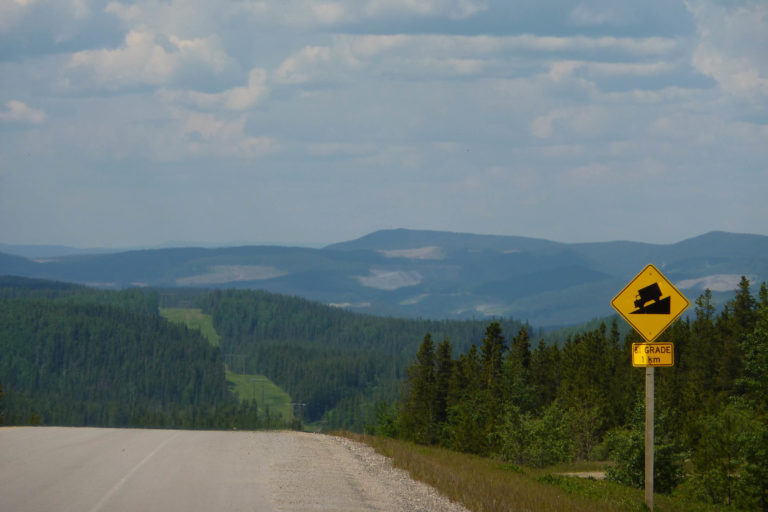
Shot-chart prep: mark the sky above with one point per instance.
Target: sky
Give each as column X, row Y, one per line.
column 139, row 123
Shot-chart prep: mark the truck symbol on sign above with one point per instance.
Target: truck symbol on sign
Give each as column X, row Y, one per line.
column 651, row 294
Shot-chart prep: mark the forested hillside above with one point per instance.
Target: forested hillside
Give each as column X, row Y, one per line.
column 74, row 356
column 582, row 399
column 339, row 364
column 116, row 361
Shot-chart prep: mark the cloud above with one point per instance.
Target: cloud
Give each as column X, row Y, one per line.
column 303, row 66
column 575, row 123
column 20, row 112
column 146, row 59
column 234, row 99
column 583, row 15
column 41, row 27
column 454, row 9
column 445, row 56
column 314, row 13
column 205, row 134
column 731, row 47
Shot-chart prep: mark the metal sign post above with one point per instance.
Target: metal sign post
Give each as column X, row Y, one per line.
column 649, row 410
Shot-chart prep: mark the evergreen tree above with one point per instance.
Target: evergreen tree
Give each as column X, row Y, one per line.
column 544, row 374
column 492, row 393
column 744, row 307
column 518, row 371
column 467, row 411
column 444, row 372
column 418, row 419
column 493, row 355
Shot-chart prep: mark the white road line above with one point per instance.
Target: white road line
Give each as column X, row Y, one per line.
column 98, row 506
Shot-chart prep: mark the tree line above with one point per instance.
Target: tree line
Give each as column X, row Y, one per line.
column 582, row 399
column 340, row 364
column 70, row 355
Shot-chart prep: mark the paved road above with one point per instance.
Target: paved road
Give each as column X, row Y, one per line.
column 94, row 470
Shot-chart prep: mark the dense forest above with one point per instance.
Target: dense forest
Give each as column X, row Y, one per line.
column 340, row 364
column 582, row 399
column 70, row 355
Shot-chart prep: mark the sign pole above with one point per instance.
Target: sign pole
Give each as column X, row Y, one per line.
column 650, row 303
column 649, row 410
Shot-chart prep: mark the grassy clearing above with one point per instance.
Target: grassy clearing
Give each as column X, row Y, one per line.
column 245, row 386
column 487, row 485
column 194, row 319
column 264, row 391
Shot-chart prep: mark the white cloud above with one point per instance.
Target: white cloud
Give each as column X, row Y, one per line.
column 328, row 12
column 14, row 11
column 419, row 56
column 541, row 127
column 573, row 122
column 309, row 13
column 732, row 43
column 20, row 112
column 205, row 134
column 583, row 15
column 235, row 98
column 300, row 67
column 146, row 58
column 456, row 9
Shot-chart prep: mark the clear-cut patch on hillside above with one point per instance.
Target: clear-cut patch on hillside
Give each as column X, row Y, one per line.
column 232, row 273
column 414, row 300
column 715, row 282
column 431, row 252
column 390, row 279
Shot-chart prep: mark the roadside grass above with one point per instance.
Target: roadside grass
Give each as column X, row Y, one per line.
column 246, row 386
column 194, row 319
column 488, row 485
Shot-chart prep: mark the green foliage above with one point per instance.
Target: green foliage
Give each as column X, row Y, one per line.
column 537, row 440
column 75, row 356
column 627, row 451
column 562, row 400
column 340, row 363
column 418, row 413
column 731, row 459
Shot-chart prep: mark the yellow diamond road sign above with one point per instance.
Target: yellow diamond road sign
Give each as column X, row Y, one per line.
column 650, row 303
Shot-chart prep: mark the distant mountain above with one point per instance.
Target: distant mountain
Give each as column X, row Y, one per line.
column 430, row 274
column 49, row 251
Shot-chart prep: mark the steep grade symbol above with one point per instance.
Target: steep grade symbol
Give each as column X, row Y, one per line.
column 651, row 294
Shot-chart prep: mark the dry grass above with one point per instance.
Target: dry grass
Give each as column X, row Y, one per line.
column 487, row 485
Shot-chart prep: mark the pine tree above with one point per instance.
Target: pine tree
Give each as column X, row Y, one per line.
column 418, row 410
column 492, row 393
column 467, row 411
column 493, row 353
column 518, row 371
column 444, row 371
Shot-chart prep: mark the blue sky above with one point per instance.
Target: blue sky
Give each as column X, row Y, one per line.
column 135, row 123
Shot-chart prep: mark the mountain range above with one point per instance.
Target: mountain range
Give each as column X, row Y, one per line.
column 429, row 274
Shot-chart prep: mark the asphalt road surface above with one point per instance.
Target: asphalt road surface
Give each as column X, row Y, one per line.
column 114, row 470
